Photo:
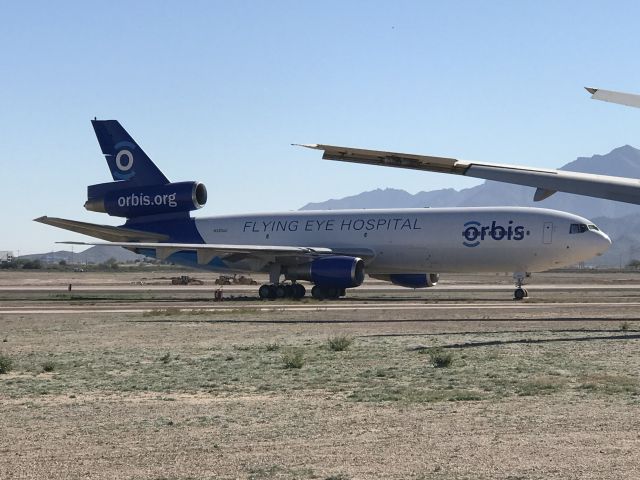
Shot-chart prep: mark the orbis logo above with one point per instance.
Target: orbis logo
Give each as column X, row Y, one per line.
column 142, row 200
column 124, row 160
column 474, row 232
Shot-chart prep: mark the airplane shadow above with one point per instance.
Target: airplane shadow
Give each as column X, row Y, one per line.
column 190, row 318
column 491, row 343
column 633, row 335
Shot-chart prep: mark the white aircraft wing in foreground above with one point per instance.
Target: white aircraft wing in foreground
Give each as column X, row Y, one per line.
column 547, row 181
column 622, row 98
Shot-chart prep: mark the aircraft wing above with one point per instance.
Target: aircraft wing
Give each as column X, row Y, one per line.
column 207, row 252
column 546, row 181
column 622, row 98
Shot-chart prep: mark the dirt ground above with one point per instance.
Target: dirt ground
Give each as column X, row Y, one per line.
column 549, row 388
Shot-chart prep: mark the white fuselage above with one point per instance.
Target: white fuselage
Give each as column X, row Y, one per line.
column 436, row 240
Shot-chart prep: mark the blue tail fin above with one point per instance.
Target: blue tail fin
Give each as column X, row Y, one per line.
column 126, row 160
column 140, row 189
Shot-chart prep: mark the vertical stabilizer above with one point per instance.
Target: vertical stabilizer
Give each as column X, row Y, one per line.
column 126, row 160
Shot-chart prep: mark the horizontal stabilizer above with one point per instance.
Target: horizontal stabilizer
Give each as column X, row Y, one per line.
column 105, row 232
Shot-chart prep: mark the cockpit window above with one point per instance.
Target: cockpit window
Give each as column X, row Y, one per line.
column 591, row 226
column 578, row 228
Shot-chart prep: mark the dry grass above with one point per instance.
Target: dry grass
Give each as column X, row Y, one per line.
column 293, row 358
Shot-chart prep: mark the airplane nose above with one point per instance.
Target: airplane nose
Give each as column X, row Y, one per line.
column 603, row 242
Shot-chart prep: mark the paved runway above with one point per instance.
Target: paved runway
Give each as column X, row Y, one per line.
column 253, row 289
column 586, row 295
column 315, row 307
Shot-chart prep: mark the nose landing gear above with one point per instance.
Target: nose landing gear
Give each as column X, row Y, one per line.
column 520, row 293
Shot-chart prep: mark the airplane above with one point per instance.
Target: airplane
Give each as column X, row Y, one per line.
column 546, row 181
column 331, row 249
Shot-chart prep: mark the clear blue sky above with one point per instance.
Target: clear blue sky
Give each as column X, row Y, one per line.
column 217, row 91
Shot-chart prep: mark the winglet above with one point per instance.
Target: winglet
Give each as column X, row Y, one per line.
column 592, row 91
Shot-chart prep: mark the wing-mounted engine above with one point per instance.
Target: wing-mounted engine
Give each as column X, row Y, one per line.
column 410, row 280
column 331, row 271
column 120, row 199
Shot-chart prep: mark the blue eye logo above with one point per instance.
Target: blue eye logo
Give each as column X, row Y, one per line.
column 471, row 234
column 124, row 160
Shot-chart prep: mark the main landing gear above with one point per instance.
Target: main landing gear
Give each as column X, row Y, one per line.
column 295, row 290
column 520, row 293
column 320, row 293
column 275, row 289
column 282, row 290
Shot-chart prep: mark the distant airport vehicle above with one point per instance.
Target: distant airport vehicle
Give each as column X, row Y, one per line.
column 234, row 280
column 331, row 249
column 546, row 181
column 185, row 280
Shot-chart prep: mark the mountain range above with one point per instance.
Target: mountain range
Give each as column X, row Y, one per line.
column 95, row 255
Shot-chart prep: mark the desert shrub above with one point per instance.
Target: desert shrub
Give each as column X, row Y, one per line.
column 339, row 343
column 272, row 347
column 624, row 326
column 48, row 366
column 292, row 358
column 439, row 358
column 166, row 358
column 6, row 364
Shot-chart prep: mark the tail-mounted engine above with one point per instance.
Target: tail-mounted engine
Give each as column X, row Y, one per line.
column 126, row 201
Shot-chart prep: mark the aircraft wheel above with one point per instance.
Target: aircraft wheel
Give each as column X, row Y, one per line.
column 519, row 294
column 317, row 292
column 332, row 292
column 280, row 291
column 298, row 290
column 265, row 292
column 343, row 292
